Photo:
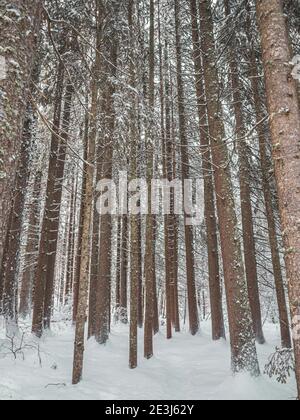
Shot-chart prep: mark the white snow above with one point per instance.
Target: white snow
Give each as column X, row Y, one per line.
column 183, row 368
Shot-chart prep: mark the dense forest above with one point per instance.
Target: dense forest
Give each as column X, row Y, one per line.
column 150, row 176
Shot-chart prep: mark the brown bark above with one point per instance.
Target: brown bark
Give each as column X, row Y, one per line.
column 262, row 129
column 18, row 40
column 244, row 356
column 38, row 303
column 218, row 328
column 185, row 164
column 283, row 108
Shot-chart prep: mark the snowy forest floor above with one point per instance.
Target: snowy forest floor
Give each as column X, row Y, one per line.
column 183, row 368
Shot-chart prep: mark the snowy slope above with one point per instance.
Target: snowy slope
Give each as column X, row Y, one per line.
column 183, row 368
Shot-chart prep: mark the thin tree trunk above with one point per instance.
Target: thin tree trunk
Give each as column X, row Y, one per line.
column 185, row 164
column 218, row 328
column 134, row 231
column 31, row 252
column 124, row 271
column 149, row 258
column 71, row 241
column 88, row 199
column 94, row 260
column 118, row 270
column 81, row 221
column 55, row 205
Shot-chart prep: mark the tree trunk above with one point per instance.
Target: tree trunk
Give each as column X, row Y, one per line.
column 71, row 242
column 11, row 269
column 185, row 165
column 19, row 34
column 81, row 221
column 39, row 295
column 118, row 269
column 245, row 191
column 285, row 132
column 55, row 205
column 124, row 271
column 32, row 247
column 262, row 129
column 134, row 219
column 244, row 356
column 218, row 328
column 104, row 275
column 87, row 209
column 95, row 259
column 149, row 257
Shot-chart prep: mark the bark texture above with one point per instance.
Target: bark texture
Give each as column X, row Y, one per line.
column 283, row 108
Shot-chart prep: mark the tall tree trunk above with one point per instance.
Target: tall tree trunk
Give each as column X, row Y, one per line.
column 218, row 328
column 71, row 242
column 19, row 34
column 262, row 129
column 81, row 219
column 185, row 165
column 87, row 209
column 170, row 251
column 244, row 356
column 55, row 205
column 149, row 257
column 139, row 232
column 285, row 132
column 95, row 257
column 154, row 280
column 39, row 295
column 245, row 191
column 107, row 142
column 134, row 219
column 173, row 151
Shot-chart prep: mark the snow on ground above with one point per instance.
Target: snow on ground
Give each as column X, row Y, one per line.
column 184, row 368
